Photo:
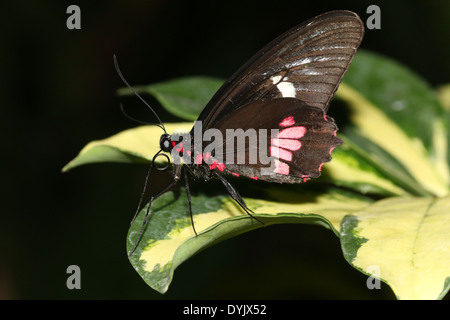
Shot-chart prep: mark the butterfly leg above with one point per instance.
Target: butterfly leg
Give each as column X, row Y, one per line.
column 236, row 196
column 142, row 195
column 188, row 193
column 147, row 212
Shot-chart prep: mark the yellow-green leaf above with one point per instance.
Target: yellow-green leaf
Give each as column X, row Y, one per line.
column 349, row 169
column 396, row 144
column 444, row 96
column 132, row 145
column 407, row 239
column 377, row 127
column 169, row 238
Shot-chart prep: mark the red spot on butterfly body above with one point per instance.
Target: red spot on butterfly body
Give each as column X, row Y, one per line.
column 179, row 146
column 198, row 159
column 218, row 165
column 221, row 166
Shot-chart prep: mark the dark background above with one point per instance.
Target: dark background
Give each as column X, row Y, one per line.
column 58, row 93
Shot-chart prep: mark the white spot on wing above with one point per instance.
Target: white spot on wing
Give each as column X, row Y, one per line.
column 275, row 79
column 287, row 89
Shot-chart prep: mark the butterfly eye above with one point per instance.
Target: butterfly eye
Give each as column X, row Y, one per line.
column 164, row 142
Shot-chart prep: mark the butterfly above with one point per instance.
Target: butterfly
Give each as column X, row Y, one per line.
column 269, row 120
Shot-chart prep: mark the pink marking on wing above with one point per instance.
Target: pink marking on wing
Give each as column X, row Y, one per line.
column 331, row 149
column 320, row 167
column 254, row 178
column 281, row 168
column 292, row 133
column 213, row 165
column 188, row 152
column 286, row 122
column 280, row 153
column 305, row 178
column 292, row 145
column 325, row 117
column 234, row 174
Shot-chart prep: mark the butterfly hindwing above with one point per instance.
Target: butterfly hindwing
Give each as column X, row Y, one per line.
column 302, row 142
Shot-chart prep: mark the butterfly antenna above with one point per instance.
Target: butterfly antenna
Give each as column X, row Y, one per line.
column 122, row 109
column 161, row 125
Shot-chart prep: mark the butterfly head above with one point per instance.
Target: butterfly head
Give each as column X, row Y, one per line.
column 165, row 142
column 177, row 145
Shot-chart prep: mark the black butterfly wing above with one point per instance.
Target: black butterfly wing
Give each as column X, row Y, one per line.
column 306, row 62
column 294, row 153
column 286, row 86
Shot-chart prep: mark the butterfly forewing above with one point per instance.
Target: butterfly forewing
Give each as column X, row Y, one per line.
column 286, row 86
column 306, row 62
